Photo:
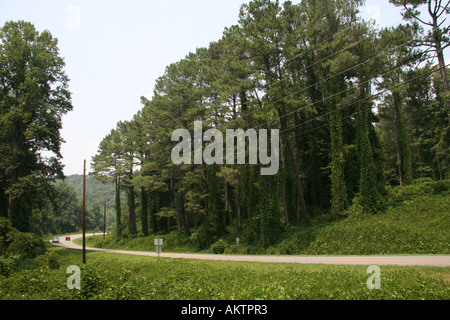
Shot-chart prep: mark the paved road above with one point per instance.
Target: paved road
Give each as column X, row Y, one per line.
column 439, row 261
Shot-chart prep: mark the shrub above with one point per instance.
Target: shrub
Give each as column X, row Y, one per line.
column 5, row 266
column 5, row 227
column 219, row 247
column 203, row 237
column 242, row 249
column 50, row 259
column 92, row 282
column 440, row 187
column 27, row 245
column 2, row 246
column 6, row 231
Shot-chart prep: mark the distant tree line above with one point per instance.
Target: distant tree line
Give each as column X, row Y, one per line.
column 63, row 213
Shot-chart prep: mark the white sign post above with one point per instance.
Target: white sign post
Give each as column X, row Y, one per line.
column 158, row 244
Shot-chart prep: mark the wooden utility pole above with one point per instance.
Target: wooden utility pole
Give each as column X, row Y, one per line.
column 104, row 223
column 84, row 213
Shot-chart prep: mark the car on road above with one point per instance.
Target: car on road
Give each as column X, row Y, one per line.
column 55, row 240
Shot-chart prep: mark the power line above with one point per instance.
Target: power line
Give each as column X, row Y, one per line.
column 327, row 79
column 346, row 90
column 331, row 77
column 54, row 222
column 68, row 197
column 344, row 118
column 323, row 59
column 365, row 99
column 351, row 104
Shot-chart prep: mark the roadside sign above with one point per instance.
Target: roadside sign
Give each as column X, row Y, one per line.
column 158, row 244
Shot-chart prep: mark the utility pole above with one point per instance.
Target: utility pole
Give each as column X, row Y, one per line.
column 84, row 213
column 104, row 222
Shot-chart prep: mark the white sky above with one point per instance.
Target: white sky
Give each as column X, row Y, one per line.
column 115, row 50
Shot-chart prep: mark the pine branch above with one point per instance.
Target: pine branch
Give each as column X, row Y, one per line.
column 412, row 14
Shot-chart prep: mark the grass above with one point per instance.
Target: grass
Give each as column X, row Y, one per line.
column 123, row 277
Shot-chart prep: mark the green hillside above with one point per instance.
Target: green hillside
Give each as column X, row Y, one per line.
column 96, row 191
column 416, row 221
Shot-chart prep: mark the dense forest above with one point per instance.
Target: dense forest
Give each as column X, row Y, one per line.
column 357, row 109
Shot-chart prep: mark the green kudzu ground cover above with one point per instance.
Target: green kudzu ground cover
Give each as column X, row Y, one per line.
column 120, row 277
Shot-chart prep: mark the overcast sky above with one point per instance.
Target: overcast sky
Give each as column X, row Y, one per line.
column 115, row 50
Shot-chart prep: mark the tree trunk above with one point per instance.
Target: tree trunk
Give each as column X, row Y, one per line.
column 238, row 207
column 339, row 196
column 437, row 37
column 10, row 207
column 285, row 205
column 118, row 209
column 227, row 204
column 175, row 199
column 132, row 204
column 403, row 152
column 283, row 166
column 206, row 191
column 299, row 182
column 14, row 176
column 132, row 213
column 168, row 225
column 187, row 218
column 441, row 60
column 144, row 212
column 153, row 219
